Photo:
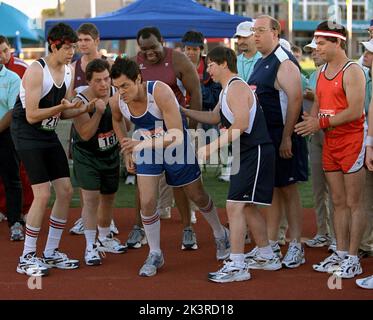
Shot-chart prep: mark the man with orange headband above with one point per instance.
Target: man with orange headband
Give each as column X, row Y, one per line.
column 338, row 109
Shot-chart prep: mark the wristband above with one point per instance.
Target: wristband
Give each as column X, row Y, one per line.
column 369, row 141
column 324, row 122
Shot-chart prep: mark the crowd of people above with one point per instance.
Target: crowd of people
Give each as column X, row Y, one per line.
column 141, row 109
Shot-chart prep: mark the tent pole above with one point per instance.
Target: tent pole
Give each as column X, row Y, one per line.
column 231, row 7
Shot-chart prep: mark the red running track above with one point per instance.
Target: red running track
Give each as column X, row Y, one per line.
column 183, row 277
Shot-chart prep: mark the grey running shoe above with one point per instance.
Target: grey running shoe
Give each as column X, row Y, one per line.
column 31, row 266
column 152, row 263
column 136, row 238
column 16, row 232
column 189, row 239
column 223, row 246
column 230, row 273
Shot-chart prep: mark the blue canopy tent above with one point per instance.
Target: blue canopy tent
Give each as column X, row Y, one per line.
column 13, row 20
column 172, row 17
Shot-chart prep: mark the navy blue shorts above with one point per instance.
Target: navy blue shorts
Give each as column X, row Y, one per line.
column 254, row 181
column 289, row 171
column 180, row 165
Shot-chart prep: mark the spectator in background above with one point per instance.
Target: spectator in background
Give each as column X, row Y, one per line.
column 18, row 66
column 9, row 163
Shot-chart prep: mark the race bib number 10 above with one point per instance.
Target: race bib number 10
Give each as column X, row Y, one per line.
column 107, row 140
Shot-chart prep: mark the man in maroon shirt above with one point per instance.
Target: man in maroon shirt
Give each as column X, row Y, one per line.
column 19, row 67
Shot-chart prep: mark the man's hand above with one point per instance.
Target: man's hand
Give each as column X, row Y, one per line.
column 100, row 106
column 71, row 105
column 369, row 158
column 308, row 126
column 128, row 145
column 285, row 148
column 129, row 163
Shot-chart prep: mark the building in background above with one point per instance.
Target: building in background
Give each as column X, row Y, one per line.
column 307, row 14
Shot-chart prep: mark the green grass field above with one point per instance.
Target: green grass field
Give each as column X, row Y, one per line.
column 125, row 197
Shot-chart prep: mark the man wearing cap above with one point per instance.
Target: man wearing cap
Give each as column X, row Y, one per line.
column 367, row 241
column 246, row 45
column 321, row 195
column 339, row 110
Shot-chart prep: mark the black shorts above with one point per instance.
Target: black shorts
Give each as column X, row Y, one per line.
column 290, row 171
column 46, row 164
column 255, row 179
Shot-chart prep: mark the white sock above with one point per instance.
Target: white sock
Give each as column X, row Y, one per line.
column 266, row 252
column 342, row 254
column 31, row 238
column 103, row 232
column 238, row 259
column 90, row 237
column 56, row 227
column 152, row 228
column 211, row 215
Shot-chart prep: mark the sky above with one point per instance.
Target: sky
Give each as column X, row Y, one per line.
column 32, row 8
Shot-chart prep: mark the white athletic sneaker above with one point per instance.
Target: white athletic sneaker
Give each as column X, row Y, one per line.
column 2, row 216
column 110, row 244
column 92, row 256
column 348, row 268
column 330, row 264
column 78, row 227
column 259, row 262
column 230, row 273
column 294, row 257
column 153, row 262
column 318, row 241
column 366, row 283
column 59, row 260
column 113, row 228
column 255, row 252
column 31, row 266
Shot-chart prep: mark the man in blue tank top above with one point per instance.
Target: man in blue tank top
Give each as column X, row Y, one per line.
column 162, row 145
column 277, row 84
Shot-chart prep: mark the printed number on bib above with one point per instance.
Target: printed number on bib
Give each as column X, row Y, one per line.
column 50, row 124
column 107, row 140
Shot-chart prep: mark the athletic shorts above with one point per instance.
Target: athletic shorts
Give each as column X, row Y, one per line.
column 289, row 171
column 46, row 164
column 344, row 153
column 179, row 171
column 93, row 172
column 254, row 181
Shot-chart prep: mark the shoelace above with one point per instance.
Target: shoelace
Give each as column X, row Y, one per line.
column 293, row 250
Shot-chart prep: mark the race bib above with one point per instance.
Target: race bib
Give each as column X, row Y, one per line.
column 326, row 113
column 107, row 140
column 51, row 123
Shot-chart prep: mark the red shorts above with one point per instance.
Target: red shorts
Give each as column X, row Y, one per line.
column 345, row 153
